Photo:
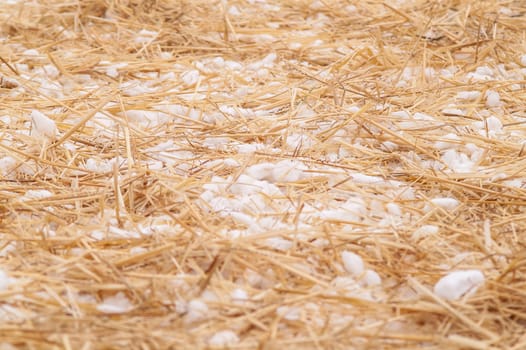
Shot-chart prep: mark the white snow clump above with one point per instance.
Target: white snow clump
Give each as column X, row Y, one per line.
column 458, row 283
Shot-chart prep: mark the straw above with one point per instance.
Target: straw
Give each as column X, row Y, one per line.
column 215, row 162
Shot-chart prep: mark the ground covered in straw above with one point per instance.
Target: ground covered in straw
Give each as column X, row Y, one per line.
column 262, row 174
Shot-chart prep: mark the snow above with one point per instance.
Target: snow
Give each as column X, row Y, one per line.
column 458, row 284
column 424, row 231
column 468, row 95
column 36, row 194
column 145, row 36
column 490, row 127
column 147, row 118
column 7, row 166
column 223, row 339
column 445, row 203
column 458, row 162
column 353, row 210
column 101, row 165
column 372, row 278
column 483, row 73
column 42, row 126
column 239, row 295
column 492, row 99
column 197, row 310
column 5, row 280
column 279, row 243
column 299, row 141
column 453, row 111
column 352, row 263
column 367, row 179
column 31, row 52
column 266, row 62
column 256, row 144
column 394, row 209
column 445, row 143
column 190, row 77
column 116, row 304
column 289, row 313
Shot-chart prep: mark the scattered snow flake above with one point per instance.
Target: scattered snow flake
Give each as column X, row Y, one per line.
column 517, row 183
column 352, row 263
column 36, row 194
column 112, row 70
column 468, row 95
column 289, row 313
column 389, row 146
column 444, row 143
column 453, row 111
column 394, row 209
column 145, row 36
column 230, row 162
column 299, row 141
column 190, row 77
column 287, row 171
column 234, row 11
column 492, row 99
column 279, row 243
column 197, row 310
column 239, row 295
column 424, row 231
column 42, row 126
column 136, row 88
column 247, row 148
column 266, row 62
column 147, row 118
column 458, row 162
column 483, row 73
column 372, row 278
column 31, row 52
column 401, row 114
column 367, row 179
column 5, row 280
column 223, row 339
column 459, row 283
column 490, row 127
column 101, row 166
column 445, row 203
column 117, row 304
column 7, row 165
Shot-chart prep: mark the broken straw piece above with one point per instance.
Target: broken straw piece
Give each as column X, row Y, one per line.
column 42, row 125
column 458, row 283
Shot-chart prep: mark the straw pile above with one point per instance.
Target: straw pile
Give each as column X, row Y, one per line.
column 254, row 174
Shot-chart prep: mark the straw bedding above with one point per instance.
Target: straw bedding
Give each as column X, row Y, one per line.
column 258, row 174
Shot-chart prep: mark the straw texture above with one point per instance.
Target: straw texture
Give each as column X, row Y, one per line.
column 261, row 174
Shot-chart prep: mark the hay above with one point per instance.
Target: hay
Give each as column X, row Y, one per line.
column 212, row 161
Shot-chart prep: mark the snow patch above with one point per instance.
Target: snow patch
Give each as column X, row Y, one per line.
column 42, row 126
column 224, row 339
column 117, row 304
column 459, row 283
column 352, row 263
column 445, row 203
